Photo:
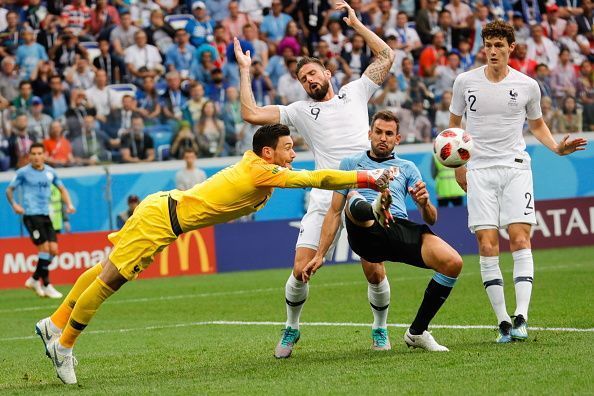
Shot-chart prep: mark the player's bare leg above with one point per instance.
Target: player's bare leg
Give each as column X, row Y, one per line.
column 296, row 292
column 447, row 263
column 519, row 242
column 488, row 244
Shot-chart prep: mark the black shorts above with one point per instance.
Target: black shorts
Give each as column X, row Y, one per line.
column 40, row 228
column 401, row 242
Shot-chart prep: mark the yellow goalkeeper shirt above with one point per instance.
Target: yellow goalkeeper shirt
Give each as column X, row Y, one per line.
column 245, row 187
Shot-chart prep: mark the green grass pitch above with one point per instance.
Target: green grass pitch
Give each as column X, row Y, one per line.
column 157, row 336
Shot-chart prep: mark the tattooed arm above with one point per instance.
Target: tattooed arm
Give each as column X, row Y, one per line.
column 384, row 56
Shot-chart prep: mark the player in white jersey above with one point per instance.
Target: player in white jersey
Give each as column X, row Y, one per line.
column 335, row 126
column 497, row 100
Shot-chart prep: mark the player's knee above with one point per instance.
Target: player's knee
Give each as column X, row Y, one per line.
column 375, row 273
column 488, row 248
column 454, row 265
column 53, row 250
column 519, row 242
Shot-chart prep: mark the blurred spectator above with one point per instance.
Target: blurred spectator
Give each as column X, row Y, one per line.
column 432, row 56
column 451, row 35
column 356, row 57
column 19, row 142
column 253, row 8
column 521, row 31
column 143, row 59
column 250, row 34
column 277, row 64
column 585, row 20
column 103, row 18
column 553, row 26
column 274, row 24
column 235, row 21
column 460, row 12
column 203, row 63
column 389, row 97
column 362, row 15
column 543, row 79
column 148, row 100
column 120, row 120
column 293, row 31
column 578, row 44
column 549, row 114
column 183, row 140
column 190, row 175
column 48, row 36
column 173, row 99
column 112, row 65
column 56, row 102
column 262, row 86
column 29, row 54
column 92, row 145
column 160, row 33
column 569, row 117
column 340, row 72
column 99, row 97
column 9, row 79
column 408, row 38
column 232, row 120
column 136, row 145
column 218, row 10
column 521, row 62
column 335, row 38
column 194, row 105
column 201, row 29
column 210, row 131
column 140, row 11
column 421, row 126
column 168, row 6
column 442, row 115
column 57, row 148
column 81, row 75
column 585, row 94
column 122, row 36
column 4, row 153
column 133, row 202
column 563, row 76
column 40, row 78
column 289, row 87
column 77, row 17
column 385, row 19
column 65, row 51
column 38, row 123
column 447, row 74
column 22, row 102
column 426, row 21
column 215, row 90
column 179, row 56
column 480, row 20
column 12, row 36
column 220, row 43
column 541, row 48
column 34, row 15
column 74, row 116
column 466, row 57
column 500, row 9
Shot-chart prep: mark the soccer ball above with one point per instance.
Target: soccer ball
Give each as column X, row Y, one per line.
column 452, row 147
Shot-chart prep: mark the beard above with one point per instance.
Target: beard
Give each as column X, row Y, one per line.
column 320, row 93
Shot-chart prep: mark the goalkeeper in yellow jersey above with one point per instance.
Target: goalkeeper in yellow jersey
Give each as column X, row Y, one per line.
column 160, row 218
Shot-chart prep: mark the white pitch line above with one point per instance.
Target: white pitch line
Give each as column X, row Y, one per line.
column 313, row 324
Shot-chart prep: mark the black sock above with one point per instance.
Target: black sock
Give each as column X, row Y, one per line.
column 435, row 296
column 360, row 209
column 42, row 269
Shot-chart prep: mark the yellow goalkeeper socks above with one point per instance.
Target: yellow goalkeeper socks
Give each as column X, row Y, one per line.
column 84, row 310
column 60, row 317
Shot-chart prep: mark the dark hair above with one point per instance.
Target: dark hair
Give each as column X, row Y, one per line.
column 36, row 145
column 386, row 115
column 267, row 136
column 564, row 105
column 499, row 29
column 541, row 65
column 189, row 150
column 307, row 60
column 24, row 82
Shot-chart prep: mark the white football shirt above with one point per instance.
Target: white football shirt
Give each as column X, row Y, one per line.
column 336, row 128
column 495, row 116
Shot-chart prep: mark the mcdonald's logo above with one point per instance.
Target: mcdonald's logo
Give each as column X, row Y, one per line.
column 184, row 249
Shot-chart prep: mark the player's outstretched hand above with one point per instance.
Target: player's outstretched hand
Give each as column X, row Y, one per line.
column 70, row 209
column 310, row 269
column 18, row 209
column 567, row 146
column 419, row 193
column 243, row 60
column 351, row 17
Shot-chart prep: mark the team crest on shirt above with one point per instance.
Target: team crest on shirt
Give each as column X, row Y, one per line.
column 513, row 97
column 343, row 96
column 50, row 176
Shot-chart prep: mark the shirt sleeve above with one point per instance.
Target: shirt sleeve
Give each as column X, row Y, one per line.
column 458, row 104
column 288, row 114
column 56, row 180
column 269, row 175
column 16, row 181
column 362, row 88
column 533, row 111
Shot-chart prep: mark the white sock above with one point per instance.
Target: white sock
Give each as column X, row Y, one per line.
column 54, row 328
column 493, row 282
column 523, row 276
column 379, row 299
column 63, row 350
column 295, row 295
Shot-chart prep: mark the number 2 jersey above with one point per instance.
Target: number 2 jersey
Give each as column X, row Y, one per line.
column 495, row 116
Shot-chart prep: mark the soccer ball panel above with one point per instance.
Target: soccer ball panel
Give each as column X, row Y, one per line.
column 453, row 147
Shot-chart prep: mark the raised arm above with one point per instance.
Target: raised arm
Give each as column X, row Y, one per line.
column 250, row 111
column 384, row 56
column 327, row 235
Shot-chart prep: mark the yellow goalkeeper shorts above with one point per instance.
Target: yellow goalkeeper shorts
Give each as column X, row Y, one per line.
column 145, row 233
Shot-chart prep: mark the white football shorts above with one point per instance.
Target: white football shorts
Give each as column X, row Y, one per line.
column 499, row 196
column 311, row 223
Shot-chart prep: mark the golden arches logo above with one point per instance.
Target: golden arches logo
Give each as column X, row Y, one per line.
column 183, row 251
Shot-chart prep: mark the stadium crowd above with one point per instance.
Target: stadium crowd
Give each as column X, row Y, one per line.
column 144, row 80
